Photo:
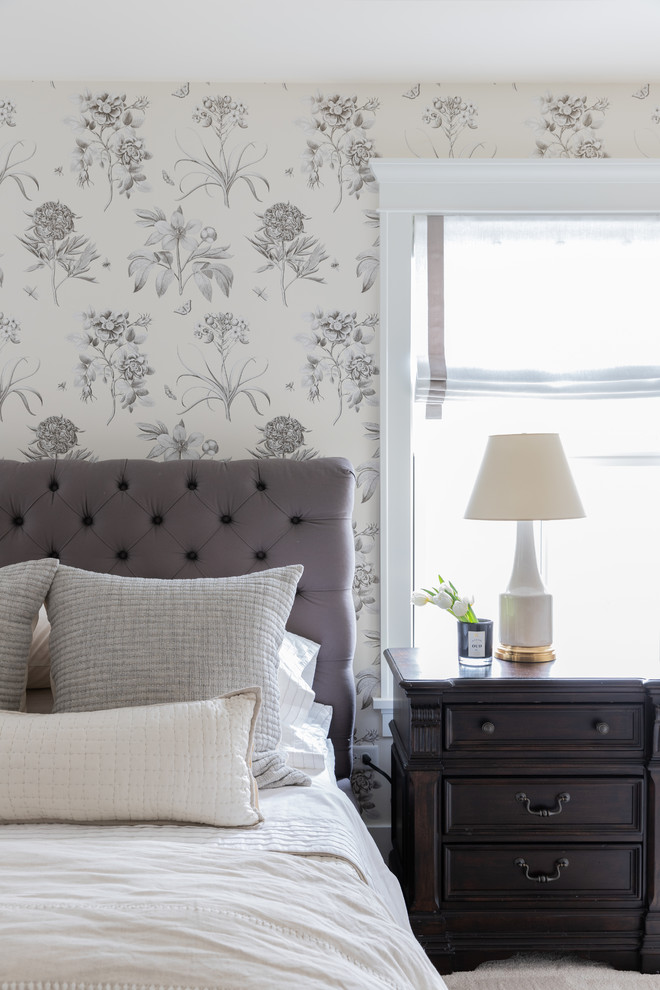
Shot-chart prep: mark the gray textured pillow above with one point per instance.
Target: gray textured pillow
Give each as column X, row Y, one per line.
column 118, row 641
column 23, row 588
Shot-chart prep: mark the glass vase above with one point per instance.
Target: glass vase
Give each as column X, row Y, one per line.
column 475, row 642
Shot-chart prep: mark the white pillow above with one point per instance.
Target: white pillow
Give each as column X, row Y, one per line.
column 306, row 743
column 295, row 676
column 39, row 657
column 184, row 762
column 305, row 723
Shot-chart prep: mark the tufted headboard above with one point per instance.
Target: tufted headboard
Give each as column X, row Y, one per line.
column 192, row 519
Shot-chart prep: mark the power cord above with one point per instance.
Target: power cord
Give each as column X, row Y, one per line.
column 366, row 759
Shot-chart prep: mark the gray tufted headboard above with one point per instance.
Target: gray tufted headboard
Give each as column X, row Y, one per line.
column 191, row 519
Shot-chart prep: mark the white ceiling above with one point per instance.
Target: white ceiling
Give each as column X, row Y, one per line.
column 332, row 40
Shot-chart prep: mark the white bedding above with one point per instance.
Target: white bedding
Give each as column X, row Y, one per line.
column 303, row 900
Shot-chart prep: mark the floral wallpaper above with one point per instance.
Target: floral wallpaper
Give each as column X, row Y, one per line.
column 190, row 270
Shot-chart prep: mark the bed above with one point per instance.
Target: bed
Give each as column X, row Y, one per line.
column 176, row 715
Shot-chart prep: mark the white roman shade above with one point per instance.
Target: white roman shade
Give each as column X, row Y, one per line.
column 519, row 306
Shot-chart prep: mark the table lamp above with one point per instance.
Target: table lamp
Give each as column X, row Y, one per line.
column 525, row 477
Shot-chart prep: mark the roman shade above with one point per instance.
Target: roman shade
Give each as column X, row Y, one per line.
column 493, row 319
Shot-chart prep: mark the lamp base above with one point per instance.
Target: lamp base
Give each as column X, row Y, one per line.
column 525, row 654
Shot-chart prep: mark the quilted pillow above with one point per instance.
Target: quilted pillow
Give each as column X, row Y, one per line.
column 118, row 641
column 23, row 588
column 295, row 674
column 186, row 762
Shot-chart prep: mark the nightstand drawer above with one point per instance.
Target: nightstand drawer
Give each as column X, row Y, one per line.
column 543, row 874
column 586, row 728
column 541, row 805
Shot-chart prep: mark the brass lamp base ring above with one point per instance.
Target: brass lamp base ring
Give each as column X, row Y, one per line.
column 525, row 654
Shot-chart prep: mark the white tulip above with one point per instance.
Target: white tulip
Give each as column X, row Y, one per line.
column 447, row 598
column 442, row 600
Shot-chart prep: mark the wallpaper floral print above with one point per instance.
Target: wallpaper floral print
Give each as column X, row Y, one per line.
column 11, row 381
column 109, row 349
column 51, row 237
column 451, row 115
column 106, row 136
column 189, row 270
column 566, row 127
column 227, row 382
column 338, row 140
column 15, row 155
column 337, row 351
column 282, row 241
column 228, row 165
column 168, row 265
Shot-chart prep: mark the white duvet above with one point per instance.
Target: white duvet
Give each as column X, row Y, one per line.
column 303, row 900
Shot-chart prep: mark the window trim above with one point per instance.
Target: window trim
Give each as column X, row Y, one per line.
column 477, row 186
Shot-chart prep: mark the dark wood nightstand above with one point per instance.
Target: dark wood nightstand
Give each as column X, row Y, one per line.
column 526, row 809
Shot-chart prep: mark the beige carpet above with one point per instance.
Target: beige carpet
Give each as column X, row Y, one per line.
column 548, row 973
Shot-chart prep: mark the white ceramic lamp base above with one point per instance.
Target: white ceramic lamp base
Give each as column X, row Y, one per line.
column 525, row 607
column 525, row 627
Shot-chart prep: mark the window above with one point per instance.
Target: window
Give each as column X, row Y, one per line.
column 537, row 307
column 477, row 188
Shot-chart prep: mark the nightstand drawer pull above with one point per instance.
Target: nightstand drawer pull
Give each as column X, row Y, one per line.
column 560, row 864
column 488, row 728
column 603, row 728
column 560, row 800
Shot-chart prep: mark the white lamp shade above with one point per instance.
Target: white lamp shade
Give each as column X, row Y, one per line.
column 524, row 476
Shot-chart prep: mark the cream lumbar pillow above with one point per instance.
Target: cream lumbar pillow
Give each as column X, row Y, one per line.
column 122, row 641
column 23, row 588
column 183, row 762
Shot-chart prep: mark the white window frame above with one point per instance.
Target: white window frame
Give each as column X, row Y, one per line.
column 409, row 187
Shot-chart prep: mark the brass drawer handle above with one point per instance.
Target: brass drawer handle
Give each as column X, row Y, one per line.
column 603, row 728
column 488, row 728
column 560, row 801
column 560, row 864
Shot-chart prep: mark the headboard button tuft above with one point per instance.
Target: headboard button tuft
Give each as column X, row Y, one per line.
column 157, row 520
column 261, row 487
column 18, row 520
column 192, row 485
column 122, row 554
column 260, row 554
column 53, row 486
column 88, row 520
column 225, row 519
column 123, row 486
column 295, row 520
column 192, row 555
